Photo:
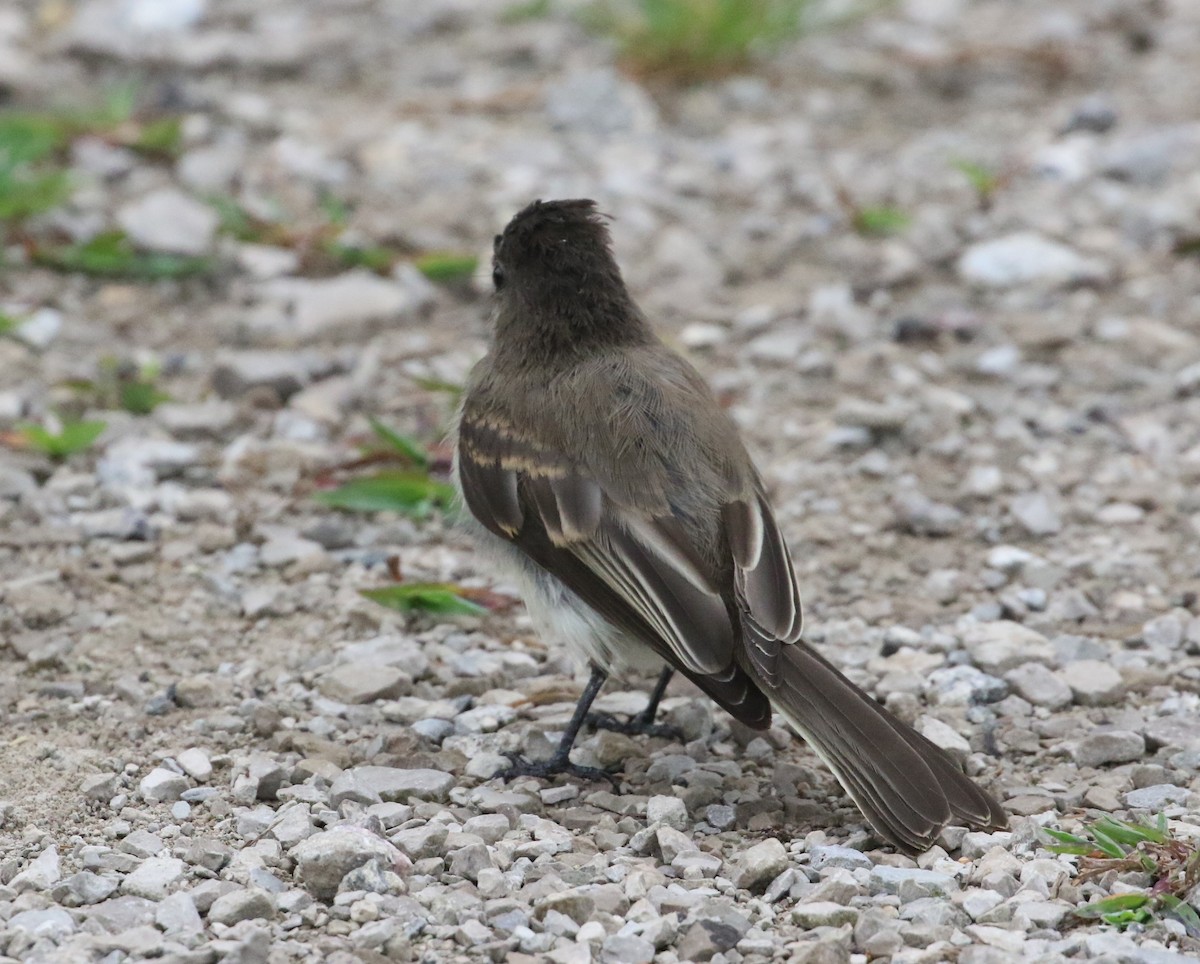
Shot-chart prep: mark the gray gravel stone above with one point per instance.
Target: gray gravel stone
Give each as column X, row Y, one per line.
column 671, row 811
column 372, row 784
column 1093, row 683
column 1023, row 258
column 240, row 905
column 823, row 913
column 997, row 647
column 86, row 887
column 760, row 864
column 1101, row 747
column 364, row 683
column 1172, row 731
column 626, row 949
column 41, row 873
column 1157, row 797
column 52, row 924
column 323, row 859
column 171, row 221
column 177, row 914
column 1036, row 514
column 154, row 878
column 196, row 764
column 836, row 856
column 910, row 883
column 1040, row 686
column 161, row 785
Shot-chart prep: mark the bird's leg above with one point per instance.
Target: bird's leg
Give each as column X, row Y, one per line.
column 560, row 762
column 643, row 724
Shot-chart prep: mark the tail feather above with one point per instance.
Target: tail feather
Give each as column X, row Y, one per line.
column 908, row 788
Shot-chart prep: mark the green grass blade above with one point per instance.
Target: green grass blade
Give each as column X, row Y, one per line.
column 431, row 597
column 1063, row 837
column 141, row 398
column 881, row 220
column 410, row 493
column 1106, row 844
column 71, row 438
column 410, row 448
column 25, row 194
column 1112, row 905
column 447, row 267
column 1184, row 911
column 1129, row 833
column 438, row 385
column 112, row 255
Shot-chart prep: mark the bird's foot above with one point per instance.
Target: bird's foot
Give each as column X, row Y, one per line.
column 555, row 765
column 634, row 726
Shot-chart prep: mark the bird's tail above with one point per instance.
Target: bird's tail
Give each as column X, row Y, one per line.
column 907, row 788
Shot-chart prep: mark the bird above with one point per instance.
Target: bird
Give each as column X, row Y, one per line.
column 601, row 475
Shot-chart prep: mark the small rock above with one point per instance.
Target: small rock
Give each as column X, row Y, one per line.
column 469, row 861
column 823, row 913
column 237, row 374
column 705, row 939
column 667, row 810
column 924, row 517
column 162, row 785
column 342, row 306
column 52, row 924
column 1023, row 258
column 1093, row 683
column 325, row 858
column 171, row 221
column 672, row 843
column 626, row 949
column 911, row 883
column 572, row 903
column 373, row 784
column 1157, row 797
column 285, row 550
column 1094, row 114
column 243, row 904
column 964, row 686
column 997, row 647
column 1036, row 514
column 977, row 902
column 42, row 873
column 1041, row 687
column 943, row 735
column 177, row 914
column 154, row 879
column 100, row 787
column 760, row 864
column 86, row 887
column 1101, row 747
column 1164, row 632
column 195, row 764
column 1172, row 731
column 365, row 683
column 141, row 843
column 209, row 418
column 846, row 858
column 40, row 329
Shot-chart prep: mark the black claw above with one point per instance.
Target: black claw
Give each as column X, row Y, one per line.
column 552, row 767
column 634, row 726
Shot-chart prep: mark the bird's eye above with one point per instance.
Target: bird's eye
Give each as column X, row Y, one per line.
column 497, row 276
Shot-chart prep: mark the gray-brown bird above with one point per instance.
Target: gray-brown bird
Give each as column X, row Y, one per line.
column 602, row 472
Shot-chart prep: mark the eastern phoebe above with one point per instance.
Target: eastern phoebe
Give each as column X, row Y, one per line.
column 606, row 475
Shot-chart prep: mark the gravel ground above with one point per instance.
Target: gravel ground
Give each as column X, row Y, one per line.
column 982, row 434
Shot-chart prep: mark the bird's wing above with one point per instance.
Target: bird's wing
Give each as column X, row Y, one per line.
column 764, row 580
column 636, row 568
